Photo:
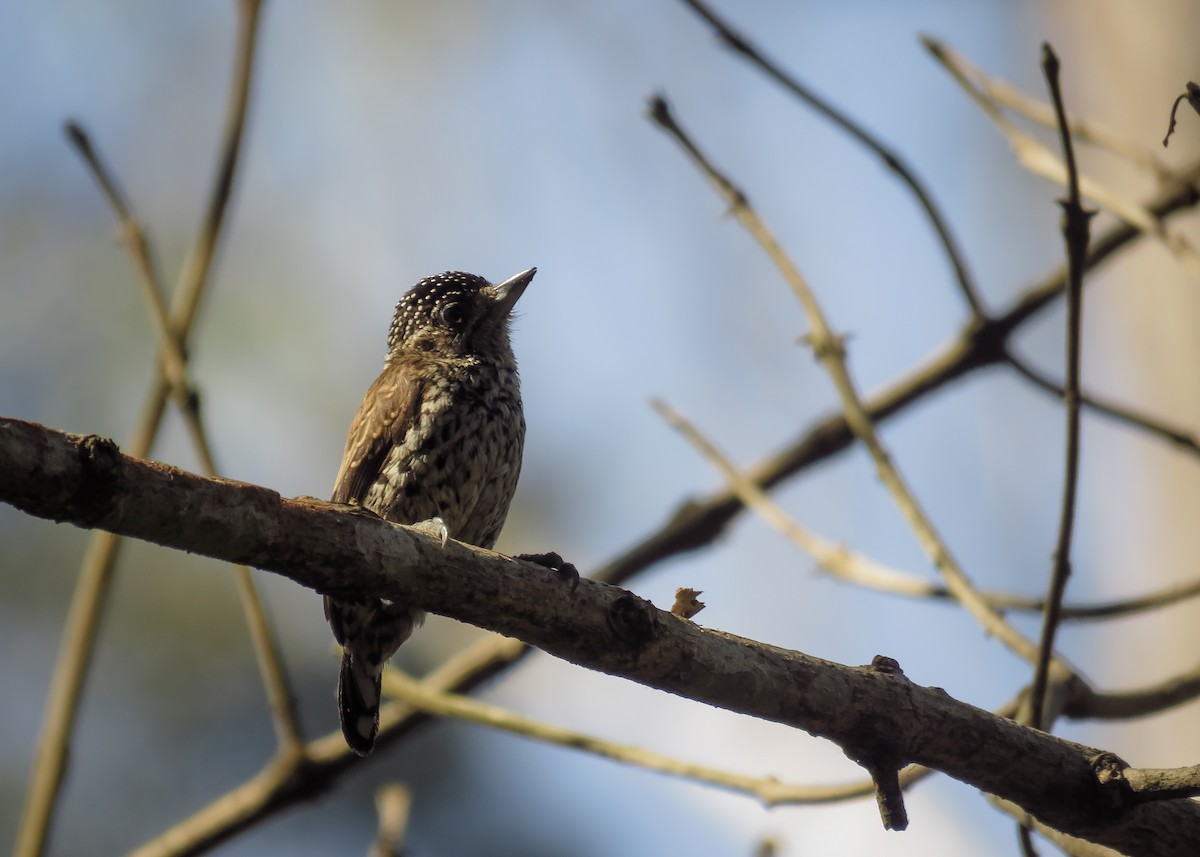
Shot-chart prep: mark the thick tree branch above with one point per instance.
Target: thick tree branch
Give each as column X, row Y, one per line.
column 88, row 482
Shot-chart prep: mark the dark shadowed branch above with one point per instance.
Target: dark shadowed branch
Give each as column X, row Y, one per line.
column 1075, row 226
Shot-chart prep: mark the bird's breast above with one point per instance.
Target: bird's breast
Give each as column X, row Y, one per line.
column 459, row 459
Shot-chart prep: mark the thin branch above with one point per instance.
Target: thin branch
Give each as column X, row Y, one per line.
column 174, row 362
column 829, row 350
column 1089, row 704
column 193, row 276
column 286, row 781
column 853, row 567
column 1075, row 227
column 133, row 236
column 1191, row 94
column 1083, row 130
column 1178, row 437
column 843, row 562
column 768, row 790
column 862, row 571
column 95, row 575
column 86, row 481
column 890, row 158
column 1042, row 161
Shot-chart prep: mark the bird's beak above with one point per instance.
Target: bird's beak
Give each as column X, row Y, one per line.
column 509, row 291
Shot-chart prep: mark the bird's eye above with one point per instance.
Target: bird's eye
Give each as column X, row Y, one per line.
column 453, row 315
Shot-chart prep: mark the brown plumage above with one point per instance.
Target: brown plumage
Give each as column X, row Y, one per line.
column 439, row 435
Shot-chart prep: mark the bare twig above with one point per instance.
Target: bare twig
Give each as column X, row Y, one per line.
column 829, row 350
column 95, row 575
column 863, row 571
column 853, row 567
column 1180, row 438
column 890, row 158
column 1075, row 229
column 1041, row 160
column 1191, row 95
column 829, row 555
column 193, row 276
column 1083, row 130
column 1087, row 703
column 768, row 790
column 133, row 236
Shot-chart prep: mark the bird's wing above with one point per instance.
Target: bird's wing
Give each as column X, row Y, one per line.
column 387, row 412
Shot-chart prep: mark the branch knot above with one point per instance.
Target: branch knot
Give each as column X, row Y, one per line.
column 632, row 620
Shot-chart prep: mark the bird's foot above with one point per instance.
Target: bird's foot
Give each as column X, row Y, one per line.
column 434, row 528
column 554, row 562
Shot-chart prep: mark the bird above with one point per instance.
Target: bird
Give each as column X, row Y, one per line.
column 437, row 443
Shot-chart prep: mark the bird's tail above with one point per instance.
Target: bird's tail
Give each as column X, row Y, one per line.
column 359, row 689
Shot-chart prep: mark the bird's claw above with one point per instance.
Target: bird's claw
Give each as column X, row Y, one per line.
column 554, row 562
column 434, row 528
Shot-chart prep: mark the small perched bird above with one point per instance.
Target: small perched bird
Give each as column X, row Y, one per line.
column 437, row 441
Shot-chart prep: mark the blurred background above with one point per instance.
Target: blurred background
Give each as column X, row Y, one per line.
column 391, row 140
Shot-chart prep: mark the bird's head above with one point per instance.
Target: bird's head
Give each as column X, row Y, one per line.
column 455, row 315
